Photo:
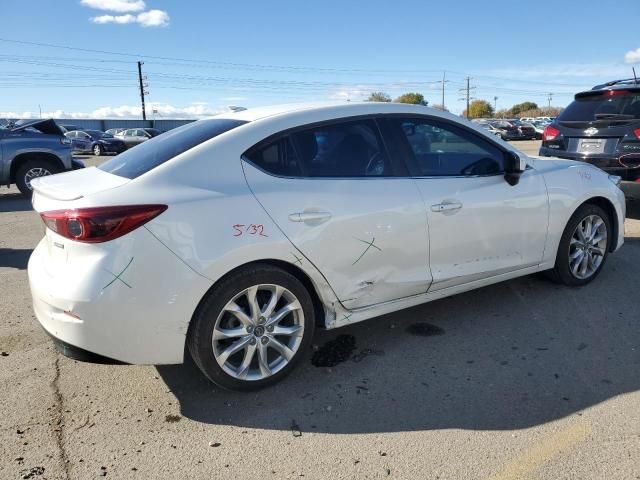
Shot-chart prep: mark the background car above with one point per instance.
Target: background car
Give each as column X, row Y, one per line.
column 506, row 130
column 527, row 131
column 135, row 136
column 69, row 128
column 237, row 236
column 602, row 127
column 95, row 141
column 32, row 149
column 115, row 131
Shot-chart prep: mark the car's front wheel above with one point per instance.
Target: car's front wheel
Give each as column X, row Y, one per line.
column 98, row 150
column 252, row 328
column 584, row 246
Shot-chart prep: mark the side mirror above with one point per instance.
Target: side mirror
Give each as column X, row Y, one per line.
column 514, row 166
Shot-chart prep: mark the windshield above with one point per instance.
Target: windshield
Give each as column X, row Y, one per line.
column 158, row 150
column 610, row 104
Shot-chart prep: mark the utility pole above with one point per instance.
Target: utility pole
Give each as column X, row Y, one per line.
column 495, row 105
column 444, row 74
column 467, row 95
column 144, row 112
column 549, row 98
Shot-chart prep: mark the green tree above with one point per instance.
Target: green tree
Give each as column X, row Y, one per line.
column 522, row 107
column 378, row 97
column 479, row 109
column 414, row 98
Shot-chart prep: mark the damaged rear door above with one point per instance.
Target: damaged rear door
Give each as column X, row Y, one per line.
column 336, row 193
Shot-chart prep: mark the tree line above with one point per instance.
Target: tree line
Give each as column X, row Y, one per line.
column 477, row 108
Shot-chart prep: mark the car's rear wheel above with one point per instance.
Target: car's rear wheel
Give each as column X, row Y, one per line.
column 98, row 150
column 30, row 170
column 252, row 328
column 584, row 246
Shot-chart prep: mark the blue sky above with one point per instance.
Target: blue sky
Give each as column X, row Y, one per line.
column 254, row 53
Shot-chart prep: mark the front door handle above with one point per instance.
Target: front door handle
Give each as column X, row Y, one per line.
column 446, row 207
column 309, row 216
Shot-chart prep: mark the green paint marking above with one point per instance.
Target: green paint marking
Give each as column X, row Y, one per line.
column 297, row 260
column 347, row 316
column 118, row 277
column 369, row 245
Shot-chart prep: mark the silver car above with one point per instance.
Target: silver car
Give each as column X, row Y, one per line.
column 135, row 136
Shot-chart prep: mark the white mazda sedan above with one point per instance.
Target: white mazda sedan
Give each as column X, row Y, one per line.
column 236, row 236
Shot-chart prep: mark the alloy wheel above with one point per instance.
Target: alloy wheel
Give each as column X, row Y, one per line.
column 587, row 247
column 258, row 332
column 35, row 173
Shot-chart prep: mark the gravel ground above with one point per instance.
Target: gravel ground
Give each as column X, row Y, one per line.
column 523, row 379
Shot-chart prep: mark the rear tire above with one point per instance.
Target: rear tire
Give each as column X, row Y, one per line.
column 235, row 337
column 581, row 255
column 33, row 169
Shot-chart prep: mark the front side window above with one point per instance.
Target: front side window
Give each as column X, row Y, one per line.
column 345, row 149
column 442, row 149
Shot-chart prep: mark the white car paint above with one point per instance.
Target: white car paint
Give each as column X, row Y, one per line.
column 169, row 264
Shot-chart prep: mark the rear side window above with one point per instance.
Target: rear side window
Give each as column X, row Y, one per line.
column 440, row 149
column 343, row 149
column 156, row 151
column 618, row 104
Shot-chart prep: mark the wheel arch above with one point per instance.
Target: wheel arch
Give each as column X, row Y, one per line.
column 23, row 158
column 608, row 207
column 301, row 275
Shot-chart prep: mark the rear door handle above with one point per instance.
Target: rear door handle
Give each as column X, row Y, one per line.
column 446, row 207
column 309, row 216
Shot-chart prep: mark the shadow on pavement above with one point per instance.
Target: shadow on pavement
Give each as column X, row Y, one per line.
column 14, row 202
column 14, row 258
column 512, row 356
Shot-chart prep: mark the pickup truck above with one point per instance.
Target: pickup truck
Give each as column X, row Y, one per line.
column 33, row 149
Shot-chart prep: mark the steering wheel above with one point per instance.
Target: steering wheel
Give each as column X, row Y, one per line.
column 375, row 167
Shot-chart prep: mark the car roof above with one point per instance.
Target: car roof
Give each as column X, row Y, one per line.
column 337, row 109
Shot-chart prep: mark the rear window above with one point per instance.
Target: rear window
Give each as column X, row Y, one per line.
column 603, row 106
column 148, row 155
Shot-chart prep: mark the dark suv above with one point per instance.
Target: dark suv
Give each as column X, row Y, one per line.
column 602, row 127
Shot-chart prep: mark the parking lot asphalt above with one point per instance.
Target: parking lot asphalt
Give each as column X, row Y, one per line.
column 523, row 379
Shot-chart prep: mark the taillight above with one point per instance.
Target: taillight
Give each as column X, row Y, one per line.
column 550, row 133
column 100, row 224
column 636, row 132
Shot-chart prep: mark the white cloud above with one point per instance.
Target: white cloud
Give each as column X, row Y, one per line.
column 163, row 111
column 554, row 72
column 120, row 6
column 632, row 56
column 121, row 19
column 152, row 18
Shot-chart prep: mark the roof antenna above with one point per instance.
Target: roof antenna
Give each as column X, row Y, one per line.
column 635, row 79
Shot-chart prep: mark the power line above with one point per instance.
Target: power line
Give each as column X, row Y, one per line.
column 468, row 89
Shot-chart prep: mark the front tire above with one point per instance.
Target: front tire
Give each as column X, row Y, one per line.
column 98, row 150
column 252, row 328
column 30, row 170
column 584, row 247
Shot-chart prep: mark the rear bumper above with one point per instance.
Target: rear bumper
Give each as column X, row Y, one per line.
column 79, row 354
column 96, row 317
column 631, row 189
column 608, row 163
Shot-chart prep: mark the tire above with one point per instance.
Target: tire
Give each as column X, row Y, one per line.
column 98, row 150
column 258, row 359
column 570, row 247
column 32, row 169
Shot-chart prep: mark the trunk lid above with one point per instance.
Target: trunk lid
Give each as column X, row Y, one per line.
column 53, row 190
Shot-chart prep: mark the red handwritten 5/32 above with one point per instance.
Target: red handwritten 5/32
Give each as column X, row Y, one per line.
column 251, row 229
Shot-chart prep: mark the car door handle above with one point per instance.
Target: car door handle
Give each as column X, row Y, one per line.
column 446, row 207
column 309, row 216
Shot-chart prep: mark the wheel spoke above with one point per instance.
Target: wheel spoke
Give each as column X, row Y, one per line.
column 253, row 303
column 232, row 349
column 586, row 232
column 580, row 233
column 285, row 351
column 576, row 263
column 575, row 254
column 236, row 311
column 244, row 367
column 283, row 312
column 263, row 361
column 273, row 301
column 222, row 333
column 292, row 331
column 596, row 226
column 583, row 265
